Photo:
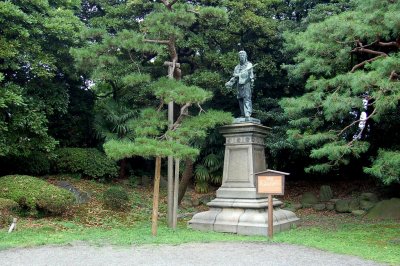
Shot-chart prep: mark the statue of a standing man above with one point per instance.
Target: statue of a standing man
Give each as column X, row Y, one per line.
column 243, row 79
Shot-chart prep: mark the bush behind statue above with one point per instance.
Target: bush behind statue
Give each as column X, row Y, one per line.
column 35, row 194
column 88, row 162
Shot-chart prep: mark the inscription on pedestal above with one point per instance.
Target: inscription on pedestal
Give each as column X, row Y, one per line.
column 239, row 171
column 245, row 140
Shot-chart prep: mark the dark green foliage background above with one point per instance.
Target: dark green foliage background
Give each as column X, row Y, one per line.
column 79, row 74
column 90, row 163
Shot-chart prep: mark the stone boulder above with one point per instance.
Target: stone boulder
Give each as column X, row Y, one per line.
column 325, row 193
column 358, row 212
column 354, row 204
column 308, row 199
column 342, row 205
column 368, row 201
column 297, row 206
column 319, row 206
column 80, row 196
column 386, row 209
column 330, row 206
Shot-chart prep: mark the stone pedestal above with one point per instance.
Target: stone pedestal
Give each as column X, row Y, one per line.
column 238, row 207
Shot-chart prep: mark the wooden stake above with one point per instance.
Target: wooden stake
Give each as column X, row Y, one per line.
column 176, row 189
column 156, row 196
column 270, row 217
column 13, row 226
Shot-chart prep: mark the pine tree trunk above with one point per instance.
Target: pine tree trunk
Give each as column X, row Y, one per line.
column 186, row 176
column 156, row 195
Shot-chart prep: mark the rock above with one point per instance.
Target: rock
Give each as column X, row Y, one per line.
column 366, row 205
column 187, row 202
column 308, row 200
column 205, row 199
column 368, row 201
column 291, row 209
column 342, row 206
column 325, row 193
column 80, row 196
column 297, row 206
column 358, row 212
column 354, row 204
column 330, row 206
column 386, row 209
column 195, row 202
column 319, row 206
column 371, row 197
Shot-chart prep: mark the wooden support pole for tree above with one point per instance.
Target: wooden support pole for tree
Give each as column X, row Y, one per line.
column 156, row 196
column 176, row 189
column 270, row 217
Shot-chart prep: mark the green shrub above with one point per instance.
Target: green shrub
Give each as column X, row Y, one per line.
column 116, row 198
column 35, row 194
column 7, row 208
column 87, row 162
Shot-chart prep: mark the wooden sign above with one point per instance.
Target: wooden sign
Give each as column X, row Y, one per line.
column 271, row 184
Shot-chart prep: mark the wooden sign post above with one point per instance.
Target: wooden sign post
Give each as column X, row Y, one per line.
column 270, row 182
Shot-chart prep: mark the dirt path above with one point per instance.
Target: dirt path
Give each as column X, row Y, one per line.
column 187, row 254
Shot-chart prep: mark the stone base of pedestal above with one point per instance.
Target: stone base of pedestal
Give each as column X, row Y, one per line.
column 238, row 207
column 232, row 216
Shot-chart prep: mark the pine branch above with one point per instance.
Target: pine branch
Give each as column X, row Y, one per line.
column 355, row 122
column 193, row 11
column 169, row 4
column 133, row 62
column 365, row 62
column 201, row 109
column 360, row 45
column 368, row 51
column 181, row 116
column 388, row 44
column 393, row 75
column 172, row 3
column 157, row 41
column 160, row 106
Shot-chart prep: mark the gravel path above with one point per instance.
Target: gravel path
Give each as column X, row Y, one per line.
column 187, row 254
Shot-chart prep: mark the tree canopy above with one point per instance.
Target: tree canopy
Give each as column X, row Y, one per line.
column 345, row 59
column 34, row 70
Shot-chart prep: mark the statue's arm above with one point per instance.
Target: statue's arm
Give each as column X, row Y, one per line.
column 233, row 79
column 231, row 82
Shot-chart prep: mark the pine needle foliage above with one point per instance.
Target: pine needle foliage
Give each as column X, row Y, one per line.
column 345, row 58
column 126, row 43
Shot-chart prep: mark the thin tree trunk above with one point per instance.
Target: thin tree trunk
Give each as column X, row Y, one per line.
column 156, row 196
column 176, row 188
column 186, row 176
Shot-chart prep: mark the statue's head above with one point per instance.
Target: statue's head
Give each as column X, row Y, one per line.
column 242, row 57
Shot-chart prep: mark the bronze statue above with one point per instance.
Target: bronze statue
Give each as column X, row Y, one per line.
column 243, row 79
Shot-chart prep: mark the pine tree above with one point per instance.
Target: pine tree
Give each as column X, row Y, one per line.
column 127, row 62
column 347, row 59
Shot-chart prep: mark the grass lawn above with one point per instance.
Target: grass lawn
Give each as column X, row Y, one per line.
column 344, row 234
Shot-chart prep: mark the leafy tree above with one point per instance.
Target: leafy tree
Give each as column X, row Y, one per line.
column 34, row 71
column 347, row 58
